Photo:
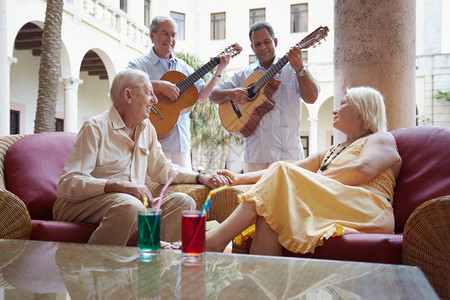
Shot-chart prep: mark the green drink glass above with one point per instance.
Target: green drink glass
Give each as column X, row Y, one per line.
column 149, row 234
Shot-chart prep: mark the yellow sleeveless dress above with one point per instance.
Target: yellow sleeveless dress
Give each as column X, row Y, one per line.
column 305, row 208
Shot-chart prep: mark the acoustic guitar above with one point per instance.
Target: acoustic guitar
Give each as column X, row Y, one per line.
column 243, row 119
column 166, row 112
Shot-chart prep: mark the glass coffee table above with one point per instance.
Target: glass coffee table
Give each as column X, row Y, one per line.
column 48, row 270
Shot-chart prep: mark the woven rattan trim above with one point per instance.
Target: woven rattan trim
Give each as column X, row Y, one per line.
column 426, row 242
column 15, row 221
column 5, row 143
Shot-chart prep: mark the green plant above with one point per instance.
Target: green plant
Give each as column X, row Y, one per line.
column 207, row 131
column 442, row 95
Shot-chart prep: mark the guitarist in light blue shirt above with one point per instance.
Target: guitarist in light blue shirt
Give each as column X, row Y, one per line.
column 277, row 137
column 160, row 60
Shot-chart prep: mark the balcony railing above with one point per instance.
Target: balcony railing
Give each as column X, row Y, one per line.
column 115, row 23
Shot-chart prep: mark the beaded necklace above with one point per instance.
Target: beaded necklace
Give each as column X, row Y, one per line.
column 325, row 164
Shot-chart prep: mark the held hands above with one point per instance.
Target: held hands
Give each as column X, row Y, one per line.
column 294, row 55
column 233, row 178
column 214, row 181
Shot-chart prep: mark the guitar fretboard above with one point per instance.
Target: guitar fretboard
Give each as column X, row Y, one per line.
column 270, row 73
column 191, row 79
column 314, row 37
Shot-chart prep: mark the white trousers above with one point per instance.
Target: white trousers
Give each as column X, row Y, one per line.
column 117, row 216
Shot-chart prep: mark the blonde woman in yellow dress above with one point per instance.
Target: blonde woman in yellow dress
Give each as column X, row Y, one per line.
column 348, row 188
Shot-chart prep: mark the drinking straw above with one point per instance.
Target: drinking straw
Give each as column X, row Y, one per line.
column 162, row 193
column 208, row 198
column 152, row 231
column 204, row 208
column 145, row 203
column 148, row 224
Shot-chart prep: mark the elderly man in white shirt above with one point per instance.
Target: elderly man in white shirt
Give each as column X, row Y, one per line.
column 103, row 181
column 156, row 63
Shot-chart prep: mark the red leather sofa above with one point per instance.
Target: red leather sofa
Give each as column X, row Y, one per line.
column 425, row 175
column 33, row 165
column 32, row 168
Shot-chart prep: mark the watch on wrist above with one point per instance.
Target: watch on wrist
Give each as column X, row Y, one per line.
column 302, row 72
column 197, row 178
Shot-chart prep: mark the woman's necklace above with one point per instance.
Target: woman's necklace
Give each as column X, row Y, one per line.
column 325, row 164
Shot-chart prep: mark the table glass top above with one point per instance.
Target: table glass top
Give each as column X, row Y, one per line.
column 48, row 270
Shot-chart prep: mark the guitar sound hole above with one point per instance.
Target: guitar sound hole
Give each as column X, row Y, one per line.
column 251, row 92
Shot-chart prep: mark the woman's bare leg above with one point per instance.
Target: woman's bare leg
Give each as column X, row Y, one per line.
column 265, row 241
column 242, row 217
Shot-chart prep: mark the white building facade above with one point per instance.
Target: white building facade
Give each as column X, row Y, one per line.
column 115, row 31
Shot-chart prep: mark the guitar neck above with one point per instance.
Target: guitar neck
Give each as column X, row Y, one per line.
column 191, row 79
column 270, row 73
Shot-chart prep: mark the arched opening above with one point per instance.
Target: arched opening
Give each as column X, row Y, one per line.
column 93, row 65
column 325, row 128
column 93, row 94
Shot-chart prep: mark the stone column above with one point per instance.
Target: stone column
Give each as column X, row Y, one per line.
column 313, row 121
column 70, row 102
column 374, row 45
column 4, row 74
column 5, row 94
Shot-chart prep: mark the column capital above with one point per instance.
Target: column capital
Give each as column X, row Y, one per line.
column 11, row 60
column 71, row 82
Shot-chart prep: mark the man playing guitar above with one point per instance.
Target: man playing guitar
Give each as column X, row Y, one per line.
column 277, row 136
column 156, row 63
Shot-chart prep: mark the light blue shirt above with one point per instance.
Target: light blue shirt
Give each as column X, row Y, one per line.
column 179, row 139
column 277, row 136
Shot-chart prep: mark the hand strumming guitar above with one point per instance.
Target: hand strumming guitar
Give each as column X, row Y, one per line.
column 167, row 88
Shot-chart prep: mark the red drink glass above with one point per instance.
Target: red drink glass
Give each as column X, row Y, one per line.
column 192, row 235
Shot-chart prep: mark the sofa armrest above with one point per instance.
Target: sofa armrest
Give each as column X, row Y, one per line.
column 426, row 242
column 15, row 221
column 5, row 143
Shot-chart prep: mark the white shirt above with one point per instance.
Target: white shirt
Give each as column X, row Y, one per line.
column 104, row 151
column 277, row 136
column 179, row 139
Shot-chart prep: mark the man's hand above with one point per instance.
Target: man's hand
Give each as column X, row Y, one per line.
column 122, row 186
column 233, row 178
column 214, row 181
column 166, row 88
column 294, row 56
column 224, row 60
column 238, row 95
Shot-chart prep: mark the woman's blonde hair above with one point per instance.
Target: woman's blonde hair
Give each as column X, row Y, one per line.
column 370, row 104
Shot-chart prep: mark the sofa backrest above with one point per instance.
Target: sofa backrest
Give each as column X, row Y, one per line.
column 425, row 172
column 33, row 167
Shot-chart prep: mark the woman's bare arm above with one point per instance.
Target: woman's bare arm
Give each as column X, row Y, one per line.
column 378, row 154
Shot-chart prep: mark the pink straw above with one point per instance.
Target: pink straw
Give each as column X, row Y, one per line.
column 162, row 194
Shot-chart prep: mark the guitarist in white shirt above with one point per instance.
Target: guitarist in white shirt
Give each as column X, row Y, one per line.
column 160, row 60
column 277, row 137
